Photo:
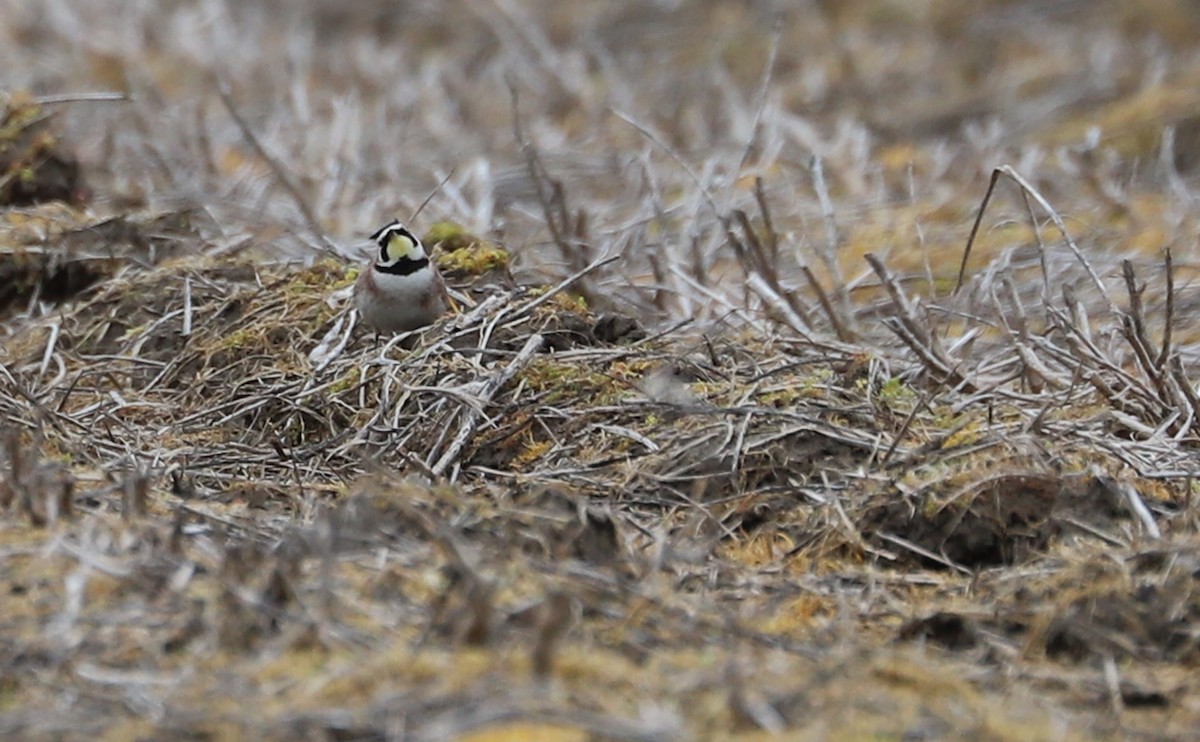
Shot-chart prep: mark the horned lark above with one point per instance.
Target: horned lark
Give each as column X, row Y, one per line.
column 401, row 289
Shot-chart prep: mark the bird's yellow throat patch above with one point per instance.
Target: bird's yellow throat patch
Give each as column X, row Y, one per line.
column 401, row 246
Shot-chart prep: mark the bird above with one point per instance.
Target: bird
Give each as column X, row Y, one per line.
column 401, row 289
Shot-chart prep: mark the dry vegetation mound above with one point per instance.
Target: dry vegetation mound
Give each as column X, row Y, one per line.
column 706, row 491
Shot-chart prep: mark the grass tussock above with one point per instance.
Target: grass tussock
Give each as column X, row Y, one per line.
column 839, row 393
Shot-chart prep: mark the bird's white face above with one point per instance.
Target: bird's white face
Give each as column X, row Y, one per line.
column 397, row 245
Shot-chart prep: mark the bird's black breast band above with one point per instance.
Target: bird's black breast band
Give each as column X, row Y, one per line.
column 403, row 267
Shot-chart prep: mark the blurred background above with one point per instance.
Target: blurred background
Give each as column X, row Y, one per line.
column 573, row 131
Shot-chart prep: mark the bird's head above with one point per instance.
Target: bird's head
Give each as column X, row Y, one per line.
column 397, row 244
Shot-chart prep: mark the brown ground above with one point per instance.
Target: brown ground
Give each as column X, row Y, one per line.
column 768, row 470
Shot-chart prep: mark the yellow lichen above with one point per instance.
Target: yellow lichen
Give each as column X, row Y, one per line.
column 240, row 338
column 531, row 452
column 562, row 381
column 440, row 232
column 969, row 434
column 457, row 250
column 632, row 368
column 564, row 302
column 346, row 381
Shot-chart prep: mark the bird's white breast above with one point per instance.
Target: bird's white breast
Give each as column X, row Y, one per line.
column 395, row 303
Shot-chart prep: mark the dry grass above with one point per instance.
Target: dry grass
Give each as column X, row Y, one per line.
column 764, row 438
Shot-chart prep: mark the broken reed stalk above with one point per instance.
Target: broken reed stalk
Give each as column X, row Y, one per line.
column 703, row 189
column 93, row 97
column 1169, row 311
column 760, row 197
column 761, row 269
column 829, row 252
column 1173, row 391
column 310, row 218
column 1027, row 188
column 1133, row 325
column 487, row 391
column 915, row 332
column 564, row 284
column 550, row 193
column 843, row 332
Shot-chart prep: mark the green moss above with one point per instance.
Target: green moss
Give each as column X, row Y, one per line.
column 932, row 505
column 564, row 302
column 895, row 391
column 348, row 380
column 813, row 385
column 445, row 231
column 16, row 118
column 630, row 370
column 134, row 332
column 321, row 276
column 477, row 259
column 563, row 381
column 459, row 251
column 240, row 338
column 531, row 452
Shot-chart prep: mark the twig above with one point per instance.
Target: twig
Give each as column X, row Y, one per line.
column 441, row 184
column 1170, row 395
column 922, row 551
column 829, row 254
column 1054, row 216
column 1037, row 237
column 48, row 100
column 656, row 139
column 555, row 200
column 768, row 225
column 756, row 260
column 564, row 285
column 1134, row 323
column 487, row 391
column 760, row 105
column 187, row 306
column 1189, row 392
column 904, row 308
column 1139, row 508
column 987, row 197
column 1169, row 311
column 839, row 327
column 284, row 179
column 921, row 405
column 1112, row 683
column 782, row 307
column 915, row 332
